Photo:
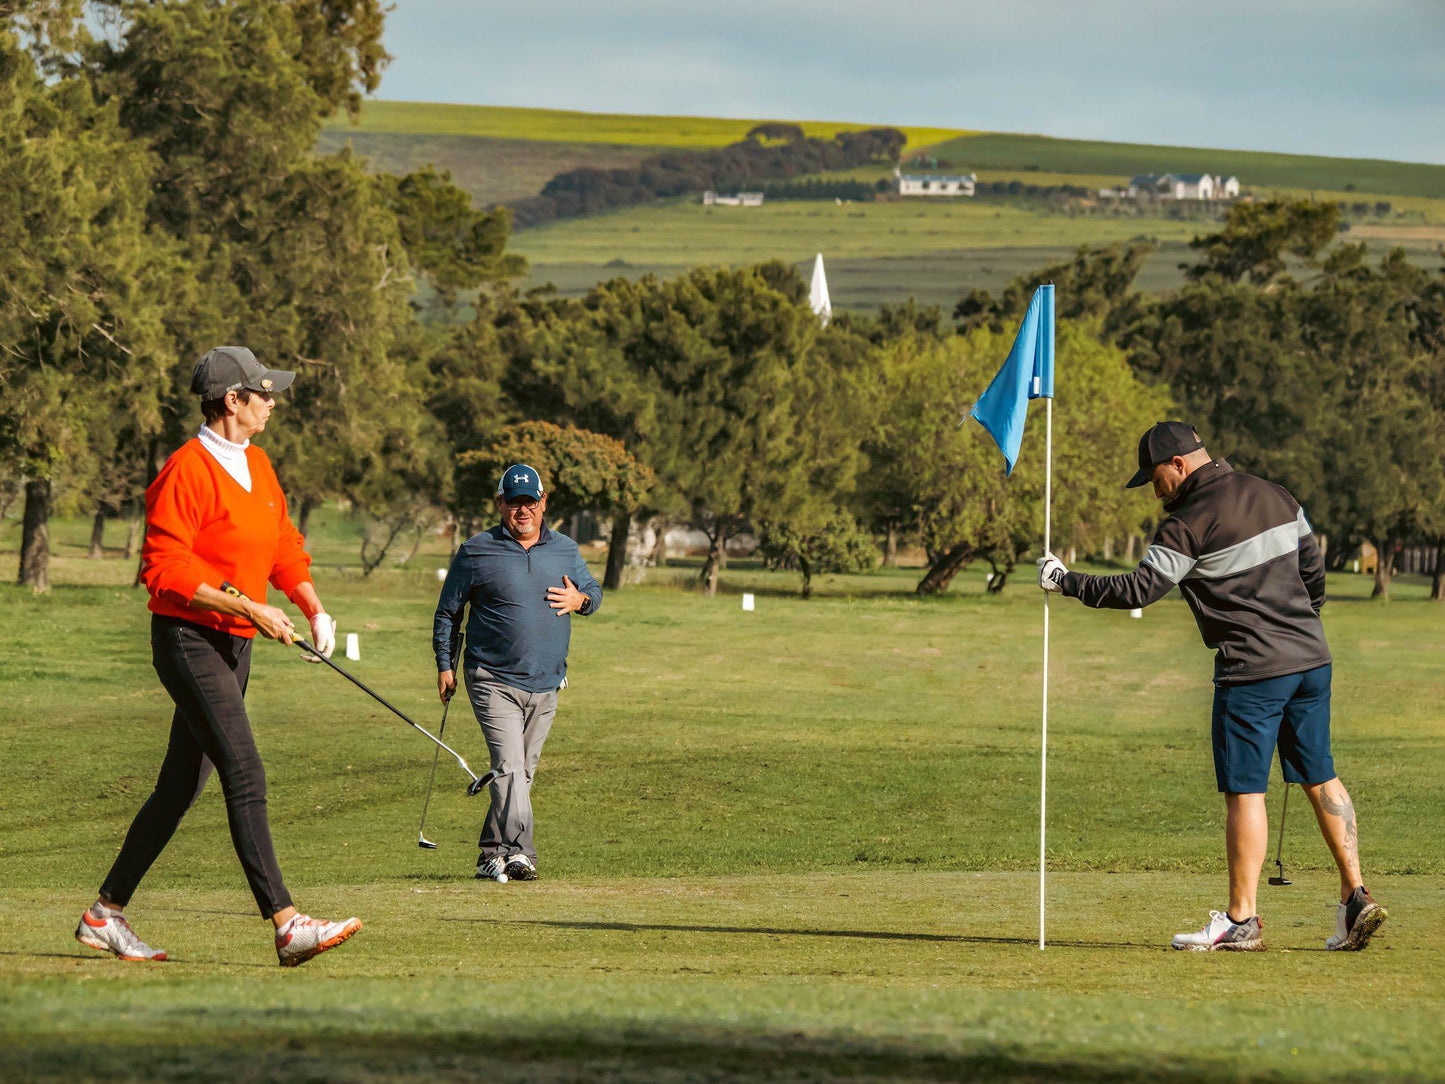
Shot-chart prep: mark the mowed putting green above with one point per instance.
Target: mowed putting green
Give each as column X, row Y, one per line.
column 797, row 844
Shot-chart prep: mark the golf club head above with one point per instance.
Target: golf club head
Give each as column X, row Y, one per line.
column 424, row 843
column 476, row 786
column 1279, row 881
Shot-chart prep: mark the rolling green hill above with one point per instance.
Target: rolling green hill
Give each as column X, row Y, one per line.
column 997, row 150
column 935, row 252
column 566, row 126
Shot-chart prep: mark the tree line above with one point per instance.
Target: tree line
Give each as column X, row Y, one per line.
column 159, row 194
column 744, row 164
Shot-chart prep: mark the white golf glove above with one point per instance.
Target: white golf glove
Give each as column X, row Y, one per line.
column 323, row 637
column 1051, row 572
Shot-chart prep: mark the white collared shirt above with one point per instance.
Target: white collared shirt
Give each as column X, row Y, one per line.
column 232, row 457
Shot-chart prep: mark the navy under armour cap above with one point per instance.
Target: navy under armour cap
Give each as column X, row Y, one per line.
column 1160, row 443
column 519, row 480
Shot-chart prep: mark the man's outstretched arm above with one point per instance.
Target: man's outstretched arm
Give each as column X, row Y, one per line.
column 1169, row 559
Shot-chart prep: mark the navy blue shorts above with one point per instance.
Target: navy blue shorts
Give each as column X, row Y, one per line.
column 1290, row 712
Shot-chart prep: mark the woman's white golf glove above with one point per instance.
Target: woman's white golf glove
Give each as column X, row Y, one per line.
column 1051, row 572
column 323, row 637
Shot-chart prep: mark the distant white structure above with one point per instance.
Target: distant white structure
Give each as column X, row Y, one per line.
column 934, row 184
column 737, row 199
column 1179, row 186
column 818, row 299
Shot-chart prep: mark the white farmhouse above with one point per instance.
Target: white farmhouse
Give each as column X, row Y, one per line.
column 935, row 184
column 1183, row 186
column 737, row 199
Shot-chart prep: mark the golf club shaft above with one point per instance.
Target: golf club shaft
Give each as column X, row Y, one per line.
column 436, row 756
column 1279, row 849
column 309, row 649
column 441, row 733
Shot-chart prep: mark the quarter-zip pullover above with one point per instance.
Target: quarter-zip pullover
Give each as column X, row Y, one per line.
column 512, row 632
column 1246, row 561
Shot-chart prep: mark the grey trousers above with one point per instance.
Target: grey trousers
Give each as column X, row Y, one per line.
column 515, row 723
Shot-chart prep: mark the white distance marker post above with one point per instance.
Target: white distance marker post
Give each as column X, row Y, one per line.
column 748, row 602
column 353, row 647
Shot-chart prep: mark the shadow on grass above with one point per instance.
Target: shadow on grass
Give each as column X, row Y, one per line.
column 96, row 956
column 777, row 931
column 609, row 1051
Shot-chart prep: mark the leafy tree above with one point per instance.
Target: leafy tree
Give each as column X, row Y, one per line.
column 953, row 477
column 1258, row 236
column 79, row 289
column 454, row 246
column 705, row 378
column 583, row 471
column 832, row 543
column 1096, row 282
column 776, row 130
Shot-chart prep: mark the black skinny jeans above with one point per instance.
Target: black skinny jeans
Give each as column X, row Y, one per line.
column 205, row 672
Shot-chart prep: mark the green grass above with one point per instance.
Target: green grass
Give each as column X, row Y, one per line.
column 491, row 170
column 875, row 252
column 684, row 232
column 794, row 844
column 567, row 126
column 1002, row 151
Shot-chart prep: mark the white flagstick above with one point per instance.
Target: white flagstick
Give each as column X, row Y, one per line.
column 1044, row 749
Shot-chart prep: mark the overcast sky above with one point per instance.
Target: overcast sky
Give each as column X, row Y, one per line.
column 1364, row 79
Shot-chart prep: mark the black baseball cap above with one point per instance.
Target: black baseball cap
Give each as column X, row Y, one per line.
column 230, row 368
column 1160, row 443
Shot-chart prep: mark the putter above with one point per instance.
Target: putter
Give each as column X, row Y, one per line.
column 421, row 840
column 1279, row 878
column 477, row 785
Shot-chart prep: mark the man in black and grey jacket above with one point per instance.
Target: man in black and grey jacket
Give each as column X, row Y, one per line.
column 1246, row 561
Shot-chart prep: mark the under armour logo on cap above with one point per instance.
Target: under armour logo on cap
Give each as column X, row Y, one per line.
column 520, row 480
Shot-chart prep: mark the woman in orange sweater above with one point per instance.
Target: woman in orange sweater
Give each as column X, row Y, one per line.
column 216, row 513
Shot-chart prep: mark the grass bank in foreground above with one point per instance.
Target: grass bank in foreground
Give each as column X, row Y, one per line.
column 798, row 843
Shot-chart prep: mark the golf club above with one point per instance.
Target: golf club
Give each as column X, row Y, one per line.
column 421, row 840
column 1279, row 878
column 476, row 786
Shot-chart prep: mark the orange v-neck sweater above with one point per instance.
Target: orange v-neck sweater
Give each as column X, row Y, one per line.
column 202, row 527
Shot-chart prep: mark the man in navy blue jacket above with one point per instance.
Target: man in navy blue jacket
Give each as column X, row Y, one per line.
column 523, row 582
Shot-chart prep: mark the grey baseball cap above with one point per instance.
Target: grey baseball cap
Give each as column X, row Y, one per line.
column 229, row 368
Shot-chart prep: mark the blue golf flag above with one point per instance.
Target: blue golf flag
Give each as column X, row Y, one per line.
column 1027, row 374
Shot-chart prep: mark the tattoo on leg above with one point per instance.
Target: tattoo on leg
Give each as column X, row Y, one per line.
column 1345, row 810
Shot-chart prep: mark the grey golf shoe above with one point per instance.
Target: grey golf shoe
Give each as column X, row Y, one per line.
column 1356, row 921
column 113, row 934
column 1223, row 934
column 521, row 868
column 304, row 937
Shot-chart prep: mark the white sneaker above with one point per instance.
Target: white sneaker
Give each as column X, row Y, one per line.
column 492, row 869
column 113, row 934
column 304, row 937
column 1223, row 934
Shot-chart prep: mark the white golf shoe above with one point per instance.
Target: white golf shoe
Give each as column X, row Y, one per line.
column 1223, row 934
column 110, row 932
column 304, row 937
column 493, row 869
